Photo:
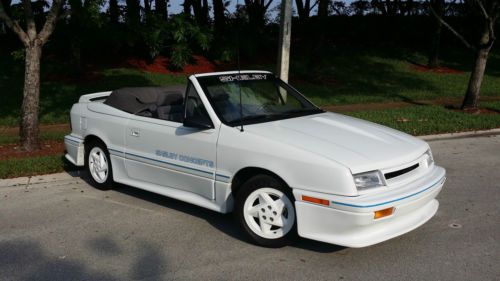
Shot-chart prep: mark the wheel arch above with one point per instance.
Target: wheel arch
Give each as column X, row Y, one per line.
column 246, row 173
column 91, row 138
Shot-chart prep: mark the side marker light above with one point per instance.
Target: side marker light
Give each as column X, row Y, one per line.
column 315, row 200
column 383, row 213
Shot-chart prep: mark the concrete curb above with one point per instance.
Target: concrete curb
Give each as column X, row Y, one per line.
column 469, row 134
column 26, row 181
column 77, row 174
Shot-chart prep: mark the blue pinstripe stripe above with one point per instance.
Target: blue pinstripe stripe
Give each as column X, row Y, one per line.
column 176, row 165
column 73, row 140
column 166, row 162
column 391, row 201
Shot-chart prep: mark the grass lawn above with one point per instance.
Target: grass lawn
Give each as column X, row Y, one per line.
column 6, row 139
column 426, row 119
column 350, row 76
column 345, row 76
column 57, row 97
column 11, row 168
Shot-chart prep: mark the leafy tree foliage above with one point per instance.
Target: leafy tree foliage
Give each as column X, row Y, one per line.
column 182, row 33
column 102, row 30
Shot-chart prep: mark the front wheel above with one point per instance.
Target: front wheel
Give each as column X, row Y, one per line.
column 98, row 165
column 265, row 211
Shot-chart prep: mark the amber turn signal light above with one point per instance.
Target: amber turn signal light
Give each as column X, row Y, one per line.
column 383, row 213
column 315, row 200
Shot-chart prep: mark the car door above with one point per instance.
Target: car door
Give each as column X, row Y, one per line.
column 168, row 154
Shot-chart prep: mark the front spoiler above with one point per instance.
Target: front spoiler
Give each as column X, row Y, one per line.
column 352, row 223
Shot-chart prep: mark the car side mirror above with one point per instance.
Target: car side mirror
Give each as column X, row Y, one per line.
column 198, row 122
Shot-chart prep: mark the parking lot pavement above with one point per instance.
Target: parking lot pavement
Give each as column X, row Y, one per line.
column 67, row 230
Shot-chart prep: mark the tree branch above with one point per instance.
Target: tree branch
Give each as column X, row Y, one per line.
column 314, row 5
column 50, row 22
column 460, row 37
column 14, row 26
column 483, row 10
column 268, row 4
column 30, row 20
column 450, row 6
column 495, row 9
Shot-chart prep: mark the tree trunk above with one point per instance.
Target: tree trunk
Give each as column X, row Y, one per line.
column 219, row 18
column 161, row 8
column 76, row 23
column 438, row 6
column 33, row 42
column 436, row 43
column 200, row 9
column 187, row 7
column 114, row 11
column 299, row 4
column 133, row 15
column 476, row 79
column 29, row 131
column 6, row 6
column 323, row 8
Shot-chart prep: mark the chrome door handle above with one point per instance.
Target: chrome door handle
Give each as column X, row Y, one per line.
column 135, row 133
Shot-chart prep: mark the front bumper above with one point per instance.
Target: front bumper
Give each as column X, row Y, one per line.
column 349, row 221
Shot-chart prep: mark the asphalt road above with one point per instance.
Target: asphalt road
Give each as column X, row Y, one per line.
column 67, row 230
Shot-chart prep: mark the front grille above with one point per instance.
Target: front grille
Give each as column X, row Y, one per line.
column 400, row 172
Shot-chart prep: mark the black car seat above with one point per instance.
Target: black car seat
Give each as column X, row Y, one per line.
column 170, row 106
column 224, row 105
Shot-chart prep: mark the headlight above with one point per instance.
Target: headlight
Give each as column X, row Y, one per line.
column 368, row 180
column 430, row 159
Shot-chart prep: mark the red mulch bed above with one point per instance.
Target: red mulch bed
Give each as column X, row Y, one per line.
column 8, row 151
column 14, row 131
column 161, row 65
column 441, row 69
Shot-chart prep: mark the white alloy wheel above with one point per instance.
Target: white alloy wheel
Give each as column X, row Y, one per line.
column 98, row 165
column 269, row 213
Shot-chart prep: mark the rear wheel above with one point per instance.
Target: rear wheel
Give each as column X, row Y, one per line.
column 98, row 165
column 265, row 211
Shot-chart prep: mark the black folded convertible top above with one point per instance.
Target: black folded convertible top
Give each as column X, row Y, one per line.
column 134, row 100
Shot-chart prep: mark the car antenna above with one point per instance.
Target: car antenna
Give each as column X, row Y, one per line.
column 239, row 67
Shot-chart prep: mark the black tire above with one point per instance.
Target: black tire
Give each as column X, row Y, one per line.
column 253, row 186
column 106, row 182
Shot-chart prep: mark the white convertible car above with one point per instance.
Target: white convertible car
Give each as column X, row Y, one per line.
column 249, row 143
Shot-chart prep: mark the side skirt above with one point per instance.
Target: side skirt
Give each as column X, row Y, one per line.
column 222, row 203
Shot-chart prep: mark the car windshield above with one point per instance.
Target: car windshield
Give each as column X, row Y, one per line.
column 263, row 98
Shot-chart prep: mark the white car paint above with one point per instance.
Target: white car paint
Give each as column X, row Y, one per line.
column 316, row 155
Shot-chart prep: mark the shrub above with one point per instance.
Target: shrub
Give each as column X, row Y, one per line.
column 185, row 36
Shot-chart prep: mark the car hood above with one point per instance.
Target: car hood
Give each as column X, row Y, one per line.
column 357, row 144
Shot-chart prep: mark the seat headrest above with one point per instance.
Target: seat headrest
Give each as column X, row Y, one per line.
column 169, row 98
column 220, row 95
